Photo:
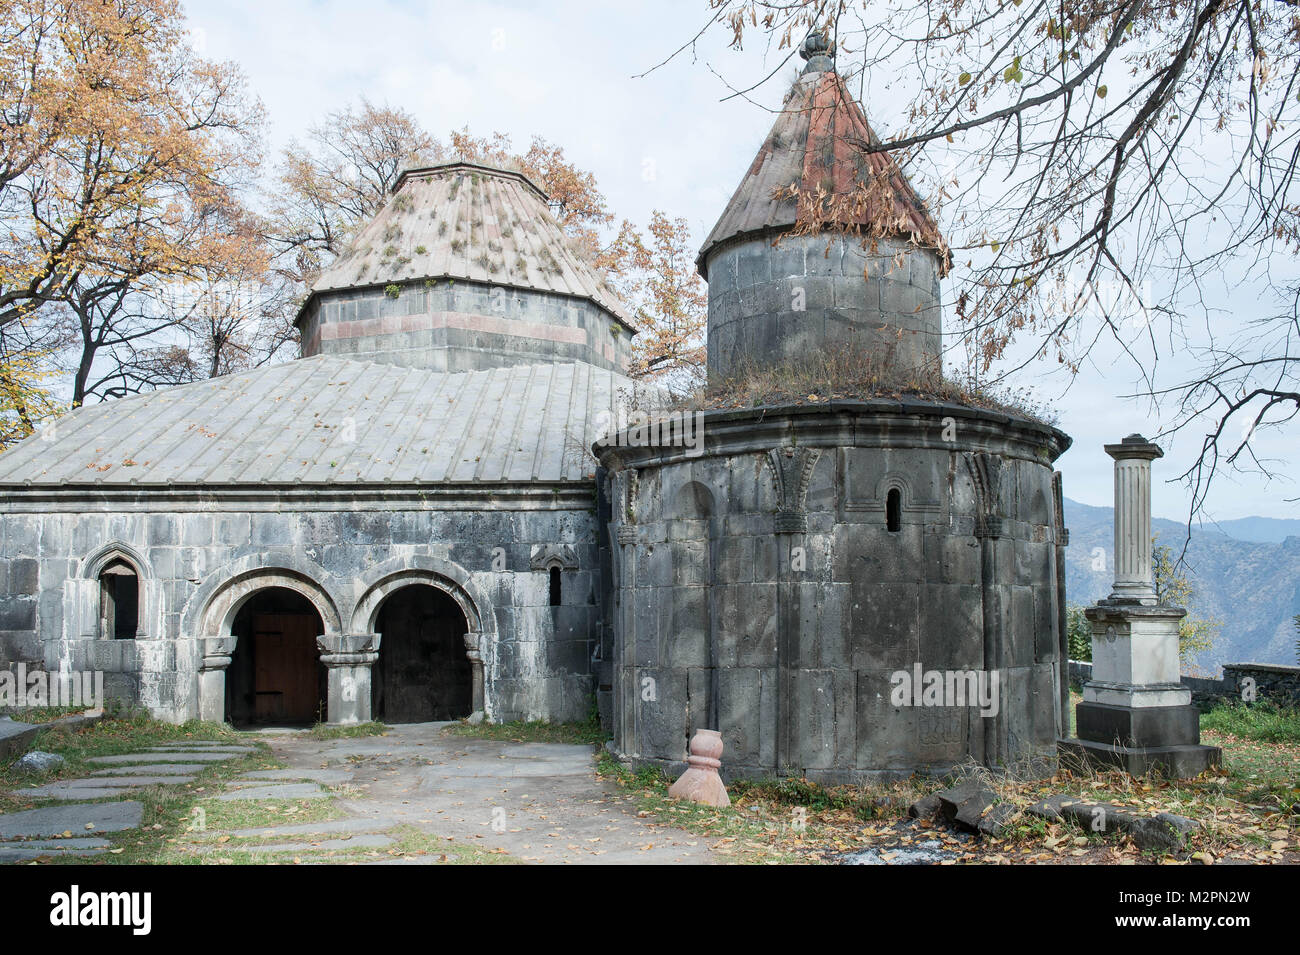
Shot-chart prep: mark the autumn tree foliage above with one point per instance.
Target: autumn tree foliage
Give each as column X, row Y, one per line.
column 108, row 120
column 124, row 157
column 1101, row 169
column 337, row 180
column 26, row 399
column 656, row 273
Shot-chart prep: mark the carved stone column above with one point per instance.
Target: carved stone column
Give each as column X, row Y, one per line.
column 348, row 658
column 792, row 468
column 474, row 650
column 1133, row 457
column 1136, row 714
column 986, row 476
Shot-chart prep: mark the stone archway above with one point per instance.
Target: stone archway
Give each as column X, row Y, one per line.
column 276, row 675
column 217, row 608
column 453, row 581
column 424, row 673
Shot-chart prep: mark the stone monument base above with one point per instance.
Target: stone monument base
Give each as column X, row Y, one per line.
column 1138, row 725
column 1179, row 761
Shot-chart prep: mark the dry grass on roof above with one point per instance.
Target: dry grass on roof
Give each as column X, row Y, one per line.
column 851, row 375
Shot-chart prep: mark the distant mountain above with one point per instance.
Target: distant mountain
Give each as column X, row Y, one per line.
column 1250, row 581
column 1266, row 530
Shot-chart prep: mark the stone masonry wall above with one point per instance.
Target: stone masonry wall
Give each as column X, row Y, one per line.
column 462, row 326
column 807, row 294
column 536, row 657
column 791, row 649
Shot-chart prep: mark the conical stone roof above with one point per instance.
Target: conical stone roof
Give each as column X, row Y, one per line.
column 470, row 222
column 813, row 155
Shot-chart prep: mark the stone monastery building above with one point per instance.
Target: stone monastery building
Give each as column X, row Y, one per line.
column 414, row 521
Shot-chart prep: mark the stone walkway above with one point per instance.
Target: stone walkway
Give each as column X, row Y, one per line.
column 73, row 829
column 529, row 802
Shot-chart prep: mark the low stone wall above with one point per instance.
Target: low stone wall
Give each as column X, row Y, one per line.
column 1278, row 684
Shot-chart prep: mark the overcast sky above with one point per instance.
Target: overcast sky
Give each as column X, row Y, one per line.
column 673, row 140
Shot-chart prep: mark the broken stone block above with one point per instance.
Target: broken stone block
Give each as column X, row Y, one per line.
column 927, row 807
column 1165, row 832
column 1156, row 834
column 1050, row 808
column 964, row 804
column 995, row 821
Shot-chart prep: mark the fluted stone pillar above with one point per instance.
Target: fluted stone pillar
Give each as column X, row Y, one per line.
column 1136, row 714
column 1133, row 578
column 348, row 659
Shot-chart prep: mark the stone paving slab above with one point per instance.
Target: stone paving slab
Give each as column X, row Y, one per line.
column 55, row 820
column 10, row 852
column 76, row 842
column 205, row 749
column 126, row 758
column 326, row 845
column 314, row 828
column 328, row 777
column 57, row 792
column 153, row 769
column 285, row 791
column 99, row 787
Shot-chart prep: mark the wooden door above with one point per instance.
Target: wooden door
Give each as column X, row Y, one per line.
column 284, row 668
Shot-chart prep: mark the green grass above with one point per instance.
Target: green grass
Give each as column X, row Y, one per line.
column 533, row 731
column 751, row 830
column 1262, row 721
column 263, row 813
column 40, row 714
column 324, row 731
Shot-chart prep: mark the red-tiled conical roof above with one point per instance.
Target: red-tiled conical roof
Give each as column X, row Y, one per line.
column 812, row 168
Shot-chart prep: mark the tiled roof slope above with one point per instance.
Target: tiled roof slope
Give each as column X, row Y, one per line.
column 471, row 222
column 815, row 144
column 328, row 420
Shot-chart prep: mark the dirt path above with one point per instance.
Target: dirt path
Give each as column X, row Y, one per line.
column 535, row 802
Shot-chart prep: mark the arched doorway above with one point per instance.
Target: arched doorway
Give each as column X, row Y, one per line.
column 423, row 672
column 275, row 674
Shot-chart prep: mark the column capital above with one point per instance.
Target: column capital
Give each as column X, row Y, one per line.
column 1134, row 446
column 331, row 643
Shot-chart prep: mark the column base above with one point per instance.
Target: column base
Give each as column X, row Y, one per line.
column 1179, row 761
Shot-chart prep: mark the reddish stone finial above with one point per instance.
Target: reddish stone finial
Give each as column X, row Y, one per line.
column 701, row 782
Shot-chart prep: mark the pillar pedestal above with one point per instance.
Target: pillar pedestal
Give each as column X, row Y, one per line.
column 1136, row 715
column 212, row 677
column 348, row 658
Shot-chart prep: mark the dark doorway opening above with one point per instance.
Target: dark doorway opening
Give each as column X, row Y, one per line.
column 275, row 675
column 423, row 673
